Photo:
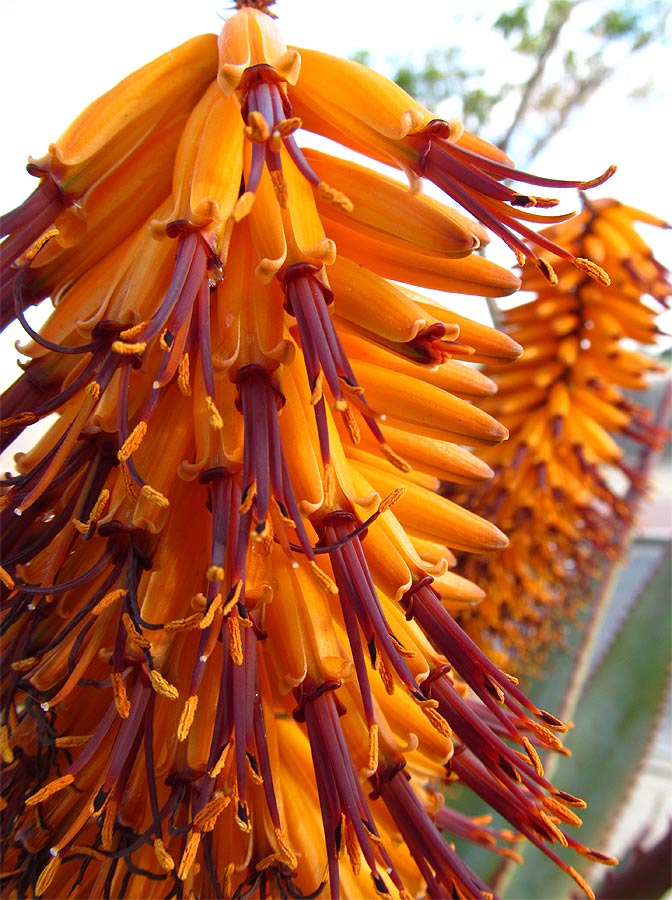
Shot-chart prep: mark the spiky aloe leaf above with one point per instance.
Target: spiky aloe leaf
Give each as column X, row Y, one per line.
column 615, row 719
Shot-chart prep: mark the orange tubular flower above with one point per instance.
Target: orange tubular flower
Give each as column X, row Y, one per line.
column 231, row 667
column 364, row 111
column 565, row 404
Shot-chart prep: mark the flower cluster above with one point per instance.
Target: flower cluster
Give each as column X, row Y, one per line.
column 566, row 403
column 231, row 667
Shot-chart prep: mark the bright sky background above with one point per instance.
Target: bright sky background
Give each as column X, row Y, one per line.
column 56, row 57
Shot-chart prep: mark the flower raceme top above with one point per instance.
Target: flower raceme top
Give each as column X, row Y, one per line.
column 226, row 584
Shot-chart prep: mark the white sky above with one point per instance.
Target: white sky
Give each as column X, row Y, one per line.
column 56, row 57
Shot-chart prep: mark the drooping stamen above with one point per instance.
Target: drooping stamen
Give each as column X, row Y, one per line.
column 422, row 603
column 442, row 868
column 308, row 298
column 473, row 181
column 265, row 472
column 24, row 225
column 358, row 596
column 341, row 798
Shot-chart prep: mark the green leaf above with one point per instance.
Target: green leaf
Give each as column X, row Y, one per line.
column 615, row 719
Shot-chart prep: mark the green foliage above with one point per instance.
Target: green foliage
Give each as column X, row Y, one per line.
column 614, row 695
column 615, row 718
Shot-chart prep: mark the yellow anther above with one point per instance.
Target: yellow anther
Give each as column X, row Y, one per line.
column 6, row 579
column 289, row 126
column 125, row 349
column 334, row 197
column 243, row 821
column 547, row 270
column 109, row 598
column 243, row 206
column 130, row 334
column 233, row 600
column 187, row 717
column 329, row 485
column 119, row 695
column 394, row 458
column 385, row 676
column 6, row 751
column 52, row 788
column 545, row 735
column 553, row 828
column 186, row 624
column 533, row 756
column 215, row 573
column 235, row 641
column 71, row 740
column 221, row 761
column 129, row 484
column 209, row 616
column 352, row 847
column 92, row 390
column 372, row 763
column 437, row 720
column 164, row 858
column 591, row 268
column 132, row 442
column 562, row 812
column 257, row 128
column 280, row 187
column 189, row 855
column 183, row 375
column 327, row 584
column 286, row 852
column 163, row 687
column 391, row 499
column 155, row 497
column 249, row 494
column 23, row 665
column 351, row 425
column 582, row 883
column 213, row 414
column 47, row 876
column 134, row 634
column 24, row 418
column 205, row 820
column 107, row 831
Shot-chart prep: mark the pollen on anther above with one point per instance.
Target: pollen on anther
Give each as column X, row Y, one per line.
column 49, row 789
column 189, row 855
column 125, row 349
column 591, row 268
column 335, row 197
column 164, row 858
column 187, row 717
column 162, row 686
column 155, row 497
column 214, row 414
column 6, row 579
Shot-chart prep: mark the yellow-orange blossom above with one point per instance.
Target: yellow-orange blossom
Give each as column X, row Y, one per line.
column 226, row 571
